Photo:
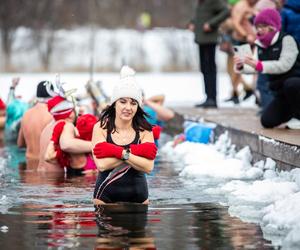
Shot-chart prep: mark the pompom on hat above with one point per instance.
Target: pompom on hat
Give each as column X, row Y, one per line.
column 127, row 86
column 60, row 107
column 269, row 17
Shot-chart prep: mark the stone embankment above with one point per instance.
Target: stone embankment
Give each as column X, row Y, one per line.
column 244, row 128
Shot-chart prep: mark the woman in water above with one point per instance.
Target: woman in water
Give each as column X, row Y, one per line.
column 124, row 146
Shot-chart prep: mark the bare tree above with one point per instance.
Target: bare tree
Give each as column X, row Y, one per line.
column 45, row 17
column 11, row 17
column 45, row 22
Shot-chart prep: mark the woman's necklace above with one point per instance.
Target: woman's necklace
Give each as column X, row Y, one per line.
column 124, row 136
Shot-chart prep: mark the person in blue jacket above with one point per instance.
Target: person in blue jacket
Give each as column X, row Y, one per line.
column 290, row 15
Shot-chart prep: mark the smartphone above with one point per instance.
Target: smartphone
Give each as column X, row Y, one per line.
column 242, row 50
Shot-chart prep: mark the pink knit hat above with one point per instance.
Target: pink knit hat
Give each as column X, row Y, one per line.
column 269, row 17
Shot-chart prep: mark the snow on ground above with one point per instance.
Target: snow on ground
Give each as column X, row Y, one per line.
column 254, row 192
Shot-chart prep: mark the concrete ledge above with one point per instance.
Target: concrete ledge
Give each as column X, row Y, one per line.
column 243, row 126
column 285, row 155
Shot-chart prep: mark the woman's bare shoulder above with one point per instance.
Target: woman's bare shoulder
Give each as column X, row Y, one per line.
column 146, row 136
column 99, row 130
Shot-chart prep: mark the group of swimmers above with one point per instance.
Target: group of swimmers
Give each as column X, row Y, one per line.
column 119, row 145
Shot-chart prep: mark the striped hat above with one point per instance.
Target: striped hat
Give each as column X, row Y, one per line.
column 60, row 108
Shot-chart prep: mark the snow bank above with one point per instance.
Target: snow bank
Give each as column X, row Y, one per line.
column 255, row 192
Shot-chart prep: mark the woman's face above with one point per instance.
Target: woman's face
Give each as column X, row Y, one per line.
column 262, row 29
column 126, row 108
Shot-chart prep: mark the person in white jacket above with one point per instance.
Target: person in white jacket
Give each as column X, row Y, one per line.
column 276, row 56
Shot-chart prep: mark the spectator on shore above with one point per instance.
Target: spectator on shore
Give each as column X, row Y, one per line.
column 243, row 32
column 277, row 56
column 226, row 45
column 264, row 93
column 62, row 134
column 209, row 15
column 33, row 122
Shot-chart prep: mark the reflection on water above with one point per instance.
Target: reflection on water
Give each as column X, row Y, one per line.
column 51, row 210
column 193, row 226
column 123, row 226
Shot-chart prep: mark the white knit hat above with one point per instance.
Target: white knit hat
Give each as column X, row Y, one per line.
column 127, row 86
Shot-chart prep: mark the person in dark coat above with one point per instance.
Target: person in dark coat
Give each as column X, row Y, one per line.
column 290, row 15
column 208, row 16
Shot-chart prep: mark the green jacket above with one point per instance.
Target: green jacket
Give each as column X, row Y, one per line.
column 213, row 12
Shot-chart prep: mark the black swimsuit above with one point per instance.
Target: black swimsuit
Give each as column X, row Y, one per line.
column 123, row 183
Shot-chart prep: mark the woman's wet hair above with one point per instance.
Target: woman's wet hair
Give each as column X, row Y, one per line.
column 139, row 122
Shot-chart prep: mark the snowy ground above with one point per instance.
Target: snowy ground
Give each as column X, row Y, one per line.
column 254, row 192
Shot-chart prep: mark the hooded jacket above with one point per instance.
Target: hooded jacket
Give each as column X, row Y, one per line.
column 290, row 14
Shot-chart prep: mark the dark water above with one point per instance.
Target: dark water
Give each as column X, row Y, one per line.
column 47, row 211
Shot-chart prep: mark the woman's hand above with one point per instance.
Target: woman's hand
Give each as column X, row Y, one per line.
column 207, row 28
column 105, row 149
column 250, row 61
column 146, row 149
column 238, row 62
column 50, row 154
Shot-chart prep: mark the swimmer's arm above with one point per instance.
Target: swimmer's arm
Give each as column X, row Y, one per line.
column 21, row 140
column 159, row 99
column 50, row 153
column 163, row 113
column 70, row 144
column 103, row 164
column 141, row 163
